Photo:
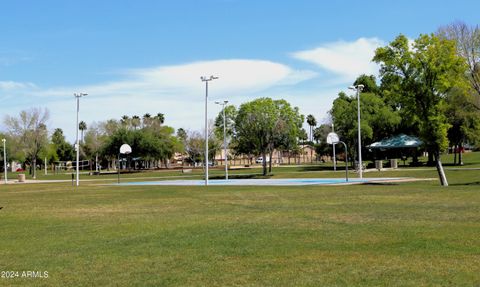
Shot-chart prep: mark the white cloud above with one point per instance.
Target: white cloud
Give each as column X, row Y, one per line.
column 236, row 77
column 347, row 60
column 176, row 91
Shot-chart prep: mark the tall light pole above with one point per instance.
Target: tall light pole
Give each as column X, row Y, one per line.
column 77, row 145
column 206, row 80
column 358, row 89
column 224, row 137
column 5, row 159
column 334, row 157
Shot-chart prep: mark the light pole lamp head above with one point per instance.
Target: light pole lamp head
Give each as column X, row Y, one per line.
column 4, row 140
column 79, row 95
column 358, row 87
column 206, row 79
column 225, row 102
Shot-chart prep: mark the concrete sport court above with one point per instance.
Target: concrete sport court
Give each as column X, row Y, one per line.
column 272, row 182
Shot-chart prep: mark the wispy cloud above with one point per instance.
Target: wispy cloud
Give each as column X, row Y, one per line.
column 347, row 60
column 237, row 76
column 174, row 90
column 11, row 85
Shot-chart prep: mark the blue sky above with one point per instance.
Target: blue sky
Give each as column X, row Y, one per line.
column 137, row 57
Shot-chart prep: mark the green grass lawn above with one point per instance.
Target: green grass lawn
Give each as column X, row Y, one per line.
column 471, row 160
column 408, row 234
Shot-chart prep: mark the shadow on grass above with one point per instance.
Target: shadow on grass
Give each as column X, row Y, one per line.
column 467, row 183
column 458, row 165
column 317, row 168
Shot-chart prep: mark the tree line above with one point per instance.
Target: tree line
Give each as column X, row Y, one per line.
column 153, row 143
column 429, row 88
column 256, row 128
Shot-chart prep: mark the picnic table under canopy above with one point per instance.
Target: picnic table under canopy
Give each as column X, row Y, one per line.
column 399, row 146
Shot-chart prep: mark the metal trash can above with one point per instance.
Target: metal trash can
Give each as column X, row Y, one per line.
column 379, row 164
column 393, row 163
column 21, row 177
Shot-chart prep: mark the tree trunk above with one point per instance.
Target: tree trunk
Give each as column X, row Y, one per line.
column 96, row 162
column 264, row 163
column 430, row 161
column 455, row 154
column 34, row 168
column 441, row 172
column 460, row 151
column 270, row 163
column 303, row 153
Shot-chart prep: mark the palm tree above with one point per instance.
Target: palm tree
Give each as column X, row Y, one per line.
column 125, row 120
column 135, row 122
column 318, row 134
column 146, row 119
column 160, row 117
column 311, row 121
column 82, row 126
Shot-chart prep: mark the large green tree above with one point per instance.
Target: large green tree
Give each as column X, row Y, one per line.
column 320, row 133
column 230, row 114
column 64, row 150
column 369, row 83
column 254, row 126
column 320, row 136
column 263, row 125
column 288, row 128
column 378, row 120
column 420, row 75
column 153, row 142
column 464, row 120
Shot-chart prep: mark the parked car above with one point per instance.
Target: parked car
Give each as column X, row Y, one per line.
column 260, row 159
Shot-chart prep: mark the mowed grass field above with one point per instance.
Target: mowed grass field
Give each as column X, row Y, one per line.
column 403, row 234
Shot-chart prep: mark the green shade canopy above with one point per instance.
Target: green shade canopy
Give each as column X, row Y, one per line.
column 399, row 141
